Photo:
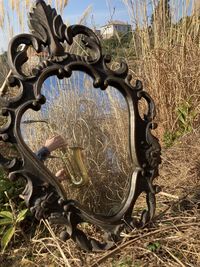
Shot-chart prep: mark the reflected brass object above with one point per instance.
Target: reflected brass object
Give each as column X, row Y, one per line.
column 76, row 168
column 43, row 193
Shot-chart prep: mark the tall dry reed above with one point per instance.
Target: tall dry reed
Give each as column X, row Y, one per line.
column 165, row 56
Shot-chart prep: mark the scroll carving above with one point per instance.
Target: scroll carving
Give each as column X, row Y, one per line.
column 43, row 193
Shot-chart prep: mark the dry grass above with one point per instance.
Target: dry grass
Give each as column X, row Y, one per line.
column 171, row 240
column 167, row 58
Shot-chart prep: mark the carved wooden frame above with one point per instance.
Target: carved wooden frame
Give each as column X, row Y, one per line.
column 43, row 193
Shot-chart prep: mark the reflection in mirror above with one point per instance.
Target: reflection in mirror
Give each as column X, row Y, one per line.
column 94, row 166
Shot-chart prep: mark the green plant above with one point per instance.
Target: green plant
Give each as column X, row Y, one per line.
column 13, row 190
column 10, row 218
column 154, row 246
column 117, row 44
column 169, row 138
column 10, row 225
column 5, row 185
column 185, row 117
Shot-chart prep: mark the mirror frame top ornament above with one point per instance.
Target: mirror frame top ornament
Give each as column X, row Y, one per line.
column 43, row 194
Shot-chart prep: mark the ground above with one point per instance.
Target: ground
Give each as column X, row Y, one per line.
column 173, row 238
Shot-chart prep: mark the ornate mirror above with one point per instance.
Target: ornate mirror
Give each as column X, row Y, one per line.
column 108, row 156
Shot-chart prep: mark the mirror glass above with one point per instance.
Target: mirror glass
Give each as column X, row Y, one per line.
column 94, row 166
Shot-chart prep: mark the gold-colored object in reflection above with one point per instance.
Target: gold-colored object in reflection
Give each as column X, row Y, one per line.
column 76, row 168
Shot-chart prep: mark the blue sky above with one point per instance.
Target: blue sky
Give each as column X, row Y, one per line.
column 102, row 11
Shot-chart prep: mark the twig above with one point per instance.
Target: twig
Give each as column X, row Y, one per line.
column 111, row 253
column 175, row 258
column 168, row 195
column 46, row 223
column 3, row 87
column 155, row 255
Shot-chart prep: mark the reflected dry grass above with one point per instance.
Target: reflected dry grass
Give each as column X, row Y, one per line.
column 97, row 122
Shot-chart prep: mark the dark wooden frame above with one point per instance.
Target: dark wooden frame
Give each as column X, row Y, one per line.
column 43, row 193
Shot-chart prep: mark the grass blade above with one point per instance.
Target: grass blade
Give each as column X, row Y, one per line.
column 7, row 237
